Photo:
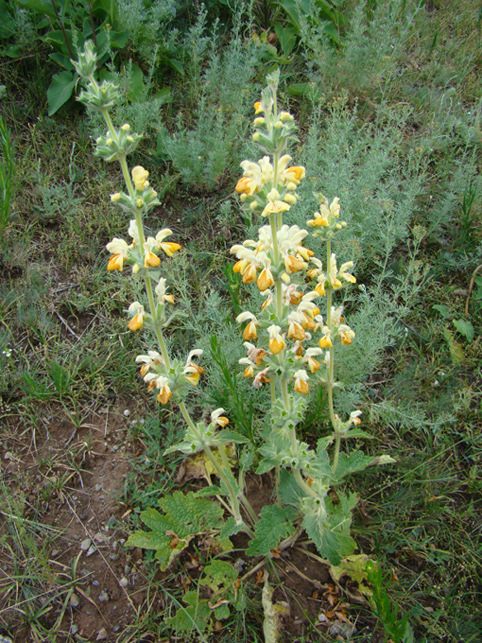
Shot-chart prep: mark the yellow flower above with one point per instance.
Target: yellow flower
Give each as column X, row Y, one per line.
column 294, row 174
column 325, row 342
column 293, row 264
column 296, row 331
column 342, row 274
column 318, row 221
column 275, row 205
column 301, row 382
column 164, row 391
column 257, row 107
column 120, row 252
column 193, row 371
column 139, row 177
column 137, row 322
column 265, row 280
column 276, row 341
column 218, row 418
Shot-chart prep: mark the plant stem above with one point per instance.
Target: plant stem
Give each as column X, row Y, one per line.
column 331, row 367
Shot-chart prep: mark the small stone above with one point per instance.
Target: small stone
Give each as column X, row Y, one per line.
column 95, row 583
column 123, row 582
column 98, row 487
column 74, row 629
column 92, row 550
column 85, row 544
column 9, row 456
column 74, row 600
column 101, row 635
column 103, row 596
column 114, row 556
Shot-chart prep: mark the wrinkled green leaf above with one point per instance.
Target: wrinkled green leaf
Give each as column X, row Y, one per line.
column 329, row 527
column 185, row 516
column 272, row 526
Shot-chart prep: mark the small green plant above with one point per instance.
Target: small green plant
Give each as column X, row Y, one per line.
column 397, row 629
column 7, row 173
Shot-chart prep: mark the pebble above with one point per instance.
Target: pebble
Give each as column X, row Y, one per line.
column 92, row 550
column 103, row 596
column 74, row 629
column 95, row 583
column 123, row 582
column 101, row 635
column 85, row 544
column 74, row 600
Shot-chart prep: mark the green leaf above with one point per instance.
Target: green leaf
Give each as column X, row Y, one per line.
column 176, row 65
column 272, row 526
column 225, row 436
column 456, row 351
column 118, row 39
column 190, row 514
column 40, row 6
column 205, row 492
column 7, row 23
column 163, row 95
column 60, row 90
column 465, row 328
column 287, row 37
column 290, row 491
column 357, row 433
column 329, row 527
column 185, row 516
column 357, row 461
column 230, row 528
column 193, row 617
column 219, row 576
column 443, row 310
column 63, row 61
column 136, row 84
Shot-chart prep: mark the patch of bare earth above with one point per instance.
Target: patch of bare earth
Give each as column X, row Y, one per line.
column 72, row 481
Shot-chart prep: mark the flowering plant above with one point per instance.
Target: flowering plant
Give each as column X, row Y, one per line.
column 290, row 348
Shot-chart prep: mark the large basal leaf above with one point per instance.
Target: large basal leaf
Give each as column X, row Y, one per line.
column 273, row 526
column 60, row 90
column 171, row 532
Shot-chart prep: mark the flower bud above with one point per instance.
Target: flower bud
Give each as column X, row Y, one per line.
column 256, row 136
column 278, row 125
column 285, row 116
column 126, row 127
column 139, row 203
column 115, row 197
column 259, row 121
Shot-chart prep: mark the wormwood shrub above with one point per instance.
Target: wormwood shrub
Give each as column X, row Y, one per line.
column 219, row 95
column 290, row 349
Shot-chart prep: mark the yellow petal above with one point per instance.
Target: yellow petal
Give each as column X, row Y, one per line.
column 136, row 323
column 276, row 346
column 116, row 262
